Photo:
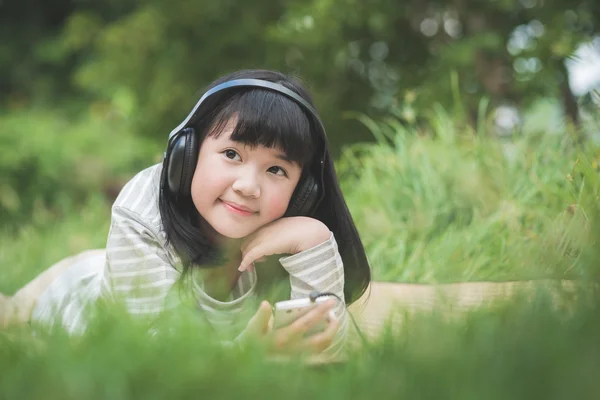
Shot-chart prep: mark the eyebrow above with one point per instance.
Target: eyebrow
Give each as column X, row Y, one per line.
column 284, row 157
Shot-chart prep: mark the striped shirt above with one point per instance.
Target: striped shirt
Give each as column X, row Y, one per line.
column 139, row 268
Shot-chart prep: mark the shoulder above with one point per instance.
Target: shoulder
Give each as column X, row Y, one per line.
column 140, row 195
column 135, row 214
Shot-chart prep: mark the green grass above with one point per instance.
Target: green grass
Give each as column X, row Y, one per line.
column 436, row 204
column 513, row 352
column 49, row 239
column 444, row 204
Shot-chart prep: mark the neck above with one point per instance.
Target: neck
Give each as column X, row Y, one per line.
column 220, row 279
column 229, row 247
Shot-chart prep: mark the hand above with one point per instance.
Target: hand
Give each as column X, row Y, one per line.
column 289, row 235
column 291, row 339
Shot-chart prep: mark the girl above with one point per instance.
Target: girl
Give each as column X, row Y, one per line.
column 247, row 175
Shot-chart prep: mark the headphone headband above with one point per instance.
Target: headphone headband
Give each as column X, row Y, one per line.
column 258, row 83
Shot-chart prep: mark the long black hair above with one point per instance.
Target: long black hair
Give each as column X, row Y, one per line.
column 269, row 119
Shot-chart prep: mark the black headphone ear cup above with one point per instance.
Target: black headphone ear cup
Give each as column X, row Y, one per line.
column 183, row 158
column 305, row 198
column 189, row 163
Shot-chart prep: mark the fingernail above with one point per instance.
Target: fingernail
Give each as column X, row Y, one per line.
column 241, row 268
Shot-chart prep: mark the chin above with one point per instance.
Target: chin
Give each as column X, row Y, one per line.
column 230, row 233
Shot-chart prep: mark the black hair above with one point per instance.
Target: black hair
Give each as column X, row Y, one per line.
column 269, row 119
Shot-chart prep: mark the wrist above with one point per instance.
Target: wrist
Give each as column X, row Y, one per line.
column 315, row 235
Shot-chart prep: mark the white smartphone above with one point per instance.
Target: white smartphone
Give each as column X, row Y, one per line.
column 286, row 312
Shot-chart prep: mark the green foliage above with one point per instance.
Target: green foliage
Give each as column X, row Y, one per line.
column 513, row 351
column 445, row 204
column 160, row 55
column 51, row 161
column 153, row 58
column 508, row 50
column 50, row 237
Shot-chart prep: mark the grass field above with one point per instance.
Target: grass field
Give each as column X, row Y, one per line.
column 435, row 205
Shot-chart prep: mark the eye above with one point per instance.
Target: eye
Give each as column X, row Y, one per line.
column 231, row 154
column 278, row 171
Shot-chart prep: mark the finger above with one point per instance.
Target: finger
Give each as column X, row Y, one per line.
column 252, row 240
column 256, row 237
column 304, row 323
column 247, row 245
column 247, row 242
column 262, row 316
column 259, row 323
column 252, row 255
column 318, row 342
column 290, row 336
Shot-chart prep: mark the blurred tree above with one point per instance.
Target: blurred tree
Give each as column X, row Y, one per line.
column 147, row 62
column 508, row 50
column 27, row 69
column 36, row 64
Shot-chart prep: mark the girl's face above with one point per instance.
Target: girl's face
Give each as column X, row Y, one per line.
column 238, row 189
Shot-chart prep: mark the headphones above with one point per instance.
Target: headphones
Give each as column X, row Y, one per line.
column 181, row 156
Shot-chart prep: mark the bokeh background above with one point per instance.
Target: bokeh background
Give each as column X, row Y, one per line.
column 466, row 141
column 90, row 90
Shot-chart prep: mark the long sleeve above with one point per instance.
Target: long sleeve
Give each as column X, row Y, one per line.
column 141, row 269
column 141, row 272
column 138, row 269
column 320, row 268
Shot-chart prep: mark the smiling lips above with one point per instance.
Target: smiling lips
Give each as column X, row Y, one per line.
column 237, row 208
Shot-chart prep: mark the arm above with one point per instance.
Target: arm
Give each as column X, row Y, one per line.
column 138, row 269
column 315, row 264
column 320, row 268
column 141, row 272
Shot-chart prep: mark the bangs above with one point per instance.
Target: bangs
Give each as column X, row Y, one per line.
column 268, row 119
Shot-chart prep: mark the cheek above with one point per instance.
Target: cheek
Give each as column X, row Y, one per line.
column 206, row 184
column 277, row 204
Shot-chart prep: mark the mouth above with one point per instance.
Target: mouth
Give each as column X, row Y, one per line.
column 237, row 208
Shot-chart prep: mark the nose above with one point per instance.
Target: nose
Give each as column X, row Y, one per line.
column 247, row 185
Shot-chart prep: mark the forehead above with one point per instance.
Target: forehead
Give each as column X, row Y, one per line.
column 260, row 118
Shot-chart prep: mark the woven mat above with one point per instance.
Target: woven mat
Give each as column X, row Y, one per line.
column 389, row 303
